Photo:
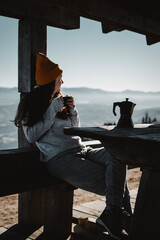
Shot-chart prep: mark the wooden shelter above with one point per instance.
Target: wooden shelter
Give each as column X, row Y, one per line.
column 34, row 16
column 139, row 15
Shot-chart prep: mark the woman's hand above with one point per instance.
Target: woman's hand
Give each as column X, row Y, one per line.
column 70, row 102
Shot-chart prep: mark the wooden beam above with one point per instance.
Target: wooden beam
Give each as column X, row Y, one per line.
column 66, row 13
column 135, row 146
column 32, row 39
column 108, row 26
column 58, row 213
column 152, row 39
column 52, row 15
column 132, row 19
column 146, row 218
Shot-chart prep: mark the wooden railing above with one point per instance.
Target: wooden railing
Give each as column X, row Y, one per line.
column 21, row 171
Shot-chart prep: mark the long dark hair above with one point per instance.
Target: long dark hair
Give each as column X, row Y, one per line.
column 33, row 105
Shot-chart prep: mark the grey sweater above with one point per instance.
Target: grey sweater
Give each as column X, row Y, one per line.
column 48, row 133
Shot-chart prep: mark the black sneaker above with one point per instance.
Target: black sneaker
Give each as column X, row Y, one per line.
column 111, row 221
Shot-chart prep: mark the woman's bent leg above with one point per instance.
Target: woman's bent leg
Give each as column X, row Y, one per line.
column 115, row 174
column 95, row 171
column 79, row 172
column 103, row 175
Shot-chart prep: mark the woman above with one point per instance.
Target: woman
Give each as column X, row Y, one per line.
column 43, row 116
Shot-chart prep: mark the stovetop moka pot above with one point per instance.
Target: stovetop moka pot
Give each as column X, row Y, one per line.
column 126, row 111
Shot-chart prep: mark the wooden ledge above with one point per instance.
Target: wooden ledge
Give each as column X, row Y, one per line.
column 137, row 146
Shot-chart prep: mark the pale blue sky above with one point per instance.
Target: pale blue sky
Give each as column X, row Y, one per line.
column 114, row 62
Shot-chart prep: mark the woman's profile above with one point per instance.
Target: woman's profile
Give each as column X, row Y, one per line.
column 43, row 113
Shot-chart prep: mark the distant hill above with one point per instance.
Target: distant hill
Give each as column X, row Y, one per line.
column 94, row 106
column 89, row 95
column 9, row 96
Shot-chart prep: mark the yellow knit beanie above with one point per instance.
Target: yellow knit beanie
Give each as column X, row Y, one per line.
column 46, row 70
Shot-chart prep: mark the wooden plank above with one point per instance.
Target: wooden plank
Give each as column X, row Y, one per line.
column 20, row 162
column 95, row 208
column 31, row 208
column 11, row 233
column 58, row 213
column 65, row 13
column 25, row 173
column 88, row 209
column 151, row 39
column 135, row 146
column 133, row 193
column 93, row 132
column 2, row 230
column 135, row 151
column 85, row 215
column 102, row 132
column 6, row 234
column 95, row 205
column 108, row 26
column 133, row 17
column 25, row 185
column 50, row 14
column 147, row 211
column 32, row 39
column 36, row 234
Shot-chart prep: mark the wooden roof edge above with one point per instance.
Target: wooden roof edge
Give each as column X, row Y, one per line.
column 116, row 18
column 151, row 39
column 66, row 14
column 53, row 16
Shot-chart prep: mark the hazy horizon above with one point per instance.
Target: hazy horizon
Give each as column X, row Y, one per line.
column 94, row 106
column 125, row 90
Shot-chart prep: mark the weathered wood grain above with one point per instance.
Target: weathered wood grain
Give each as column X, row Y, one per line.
column 147, row 209
column 138, row 16
column 108, row 26
column 89, row 209
column 46, row 194
column 48, row 13
column 32, row 39
column 23, row 171
column 141, row 147
column 137, row 146
column 58, row 213
column 131, row 15
column 151, row 39
column 83, row 223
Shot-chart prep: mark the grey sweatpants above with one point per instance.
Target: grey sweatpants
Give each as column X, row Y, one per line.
column 93, row 170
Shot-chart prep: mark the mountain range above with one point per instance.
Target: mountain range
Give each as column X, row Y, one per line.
column 94, row 106
column 9, row 96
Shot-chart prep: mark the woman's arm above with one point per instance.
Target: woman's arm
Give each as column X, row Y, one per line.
column 75, row 121
column 37, row 130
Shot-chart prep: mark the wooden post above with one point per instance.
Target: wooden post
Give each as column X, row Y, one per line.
column 58, row 212
column 32, row 39
column 146, row 219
